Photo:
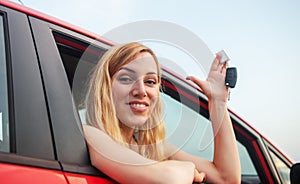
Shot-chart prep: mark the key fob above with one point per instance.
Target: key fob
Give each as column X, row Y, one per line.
column 231, row 77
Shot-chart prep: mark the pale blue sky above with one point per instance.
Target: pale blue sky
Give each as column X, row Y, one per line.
column 261, row 37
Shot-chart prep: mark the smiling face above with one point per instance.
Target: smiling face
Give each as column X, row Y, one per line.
column 135, row 88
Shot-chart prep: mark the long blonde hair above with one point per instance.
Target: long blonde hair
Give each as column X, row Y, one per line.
column 102, row 114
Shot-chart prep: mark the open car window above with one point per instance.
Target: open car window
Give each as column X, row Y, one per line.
column 185, row 109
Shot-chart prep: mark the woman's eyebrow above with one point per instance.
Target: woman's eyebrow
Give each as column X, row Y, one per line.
column 127, row 69
column 132, row 71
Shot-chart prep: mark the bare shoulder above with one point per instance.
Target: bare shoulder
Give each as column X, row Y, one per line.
column 91, row 131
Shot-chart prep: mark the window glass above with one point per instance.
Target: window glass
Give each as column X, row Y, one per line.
column 186, row 129
column 200, row 142
column 79, row 58
column 282, row 168
column 247, row 165
column 4, row 128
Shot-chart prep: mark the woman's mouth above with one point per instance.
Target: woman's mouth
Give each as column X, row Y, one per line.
column 139, row 107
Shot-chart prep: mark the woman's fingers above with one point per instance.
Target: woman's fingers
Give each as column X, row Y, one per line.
column 213, row 86
column 215, row 63
column 218, row 66
column 199, row 176
column 224, row 67
column 204, row 85
column 200, row 83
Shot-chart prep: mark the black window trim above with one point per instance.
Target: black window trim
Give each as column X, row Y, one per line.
column 72, row 160
column 10, row 158
column 9, row 82
column 18, row 153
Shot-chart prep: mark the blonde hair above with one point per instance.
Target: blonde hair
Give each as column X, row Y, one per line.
column 102, row 114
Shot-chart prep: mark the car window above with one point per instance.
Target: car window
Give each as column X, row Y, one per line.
column 282, row 169
column 4, row 126
column 186, row 128
column 79, row 58
column 199, row 142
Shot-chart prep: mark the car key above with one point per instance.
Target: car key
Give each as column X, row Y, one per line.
column 231, row 72
column 231, row 77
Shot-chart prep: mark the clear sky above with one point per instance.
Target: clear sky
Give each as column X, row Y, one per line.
column 261, row 37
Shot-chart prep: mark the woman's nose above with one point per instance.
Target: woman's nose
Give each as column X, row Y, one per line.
column 138, row 88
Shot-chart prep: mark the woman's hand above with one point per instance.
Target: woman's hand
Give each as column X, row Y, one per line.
column 181, row 172
column 214, row 86
column 199, row 176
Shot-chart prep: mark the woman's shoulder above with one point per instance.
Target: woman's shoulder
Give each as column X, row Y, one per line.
column 90, row 129
column 94, row 135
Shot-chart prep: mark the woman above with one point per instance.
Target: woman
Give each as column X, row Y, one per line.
column 126, row 134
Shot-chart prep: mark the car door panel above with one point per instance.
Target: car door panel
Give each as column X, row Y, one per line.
column 87, row 179
column 15, row 174
column 30, row 158
column 28, row 104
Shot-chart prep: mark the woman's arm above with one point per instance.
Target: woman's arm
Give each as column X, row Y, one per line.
column 225, row 167
column 127, row 166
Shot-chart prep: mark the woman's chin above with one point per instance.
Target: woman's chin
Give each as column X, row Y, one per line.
column 140, row 123
column 135, row 123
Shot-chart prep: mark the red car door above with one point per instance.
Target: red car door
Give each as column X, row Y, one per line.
column 15, row 174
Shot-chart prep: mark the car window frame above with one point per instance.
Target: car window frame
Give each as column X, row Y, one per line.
column 273, row 150
column 58, row 107
column 6, row 70
column 26, row 147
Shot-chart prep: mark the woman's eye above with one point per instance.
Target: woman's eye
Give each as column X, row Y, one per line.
column 125, row 80
column 150, row 82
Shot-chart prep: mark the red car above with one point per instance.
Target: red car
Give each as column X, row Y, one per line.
column 41, row 138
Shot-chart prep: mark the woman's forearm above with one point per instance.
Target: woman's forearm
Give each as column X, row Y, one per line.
column 226, row 157
column 127, row 166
